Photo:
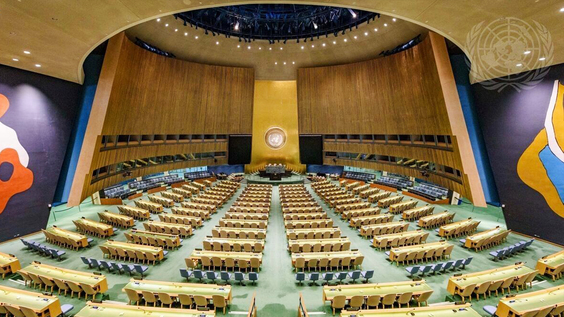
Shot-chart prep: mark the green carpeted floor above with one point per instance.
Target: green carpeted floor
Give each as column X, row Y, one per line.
column 277, row 291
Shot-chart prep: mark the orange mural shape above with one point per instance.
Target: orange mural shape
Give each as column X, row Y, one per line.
column 22, row 177
column 20, row 181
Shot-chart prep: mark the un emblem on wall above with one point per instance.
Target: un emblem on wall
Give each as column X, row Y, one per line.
column 275, row 138
column 509, row 46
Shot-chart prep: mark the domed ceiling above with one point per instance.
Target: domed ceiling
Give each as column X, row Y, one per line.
column 276, row 39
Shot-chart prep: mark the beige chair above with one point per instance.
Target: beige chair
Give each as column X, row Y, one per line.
column 494, row 287
column 47, row 282
column 482, row 288
column 149, row 298
column 557, row 311
column 133, row 296
column 219, row 302
column 507, row 285
column 75, row 288
column 338, row 302
column 467, row 292
column 185, row 300
column 423, row 298
column 300, row 264
column 242, row 264
column 201, row 302
column 15, row 311
column 206, row 262
column 544, row 312
column 404, row 299
column 216, row 262
column 255, row 264
column 28, row 312
column 165, row 299
column 36, row 281
column 26, row 278
column 388, row 300
column 312, row 264
column 373, row 301
column 89, row 290
column 356, row 302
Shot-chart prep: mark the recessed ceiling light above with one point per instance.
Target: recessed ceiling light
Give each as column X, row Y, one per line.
column 281, row 48
column 394, row 19
column 15, row 59
column 166, row 25
column 302, row 47
column 334, row 42
column 293, row 62
column 375, row 30
column 37, row 65
column 355, row 37
column 270, row 48
column 249, row 47
column 284, row 63
column 159, row 20
column 196, row 37
column 216, row 43
column 275, row 63
column 185, row 33
column 323, row 44
column 260, row 48
column 542, row 58
column 238, row 46
column 385, row 24
column 312, row 46
column 175, row 30
column 345, row 40
column 561, row 9
column 519, row 65
column 365, row 33
column 27, row 52
column 527, row 52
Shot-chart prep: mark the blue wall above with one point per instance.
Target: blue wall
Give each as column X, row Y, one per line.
column 327, row 169
column 227, row 169
column 461, row 76
column 92, row 67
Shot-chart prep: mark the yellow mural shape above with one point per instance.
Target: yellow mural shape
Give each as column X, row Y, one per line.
column 531, row 168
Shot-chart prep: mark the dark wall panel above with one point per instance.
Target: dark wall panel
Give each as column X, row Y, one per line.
column 311, row 149
column 239, row 149
column 511, row 121
column 36, row 112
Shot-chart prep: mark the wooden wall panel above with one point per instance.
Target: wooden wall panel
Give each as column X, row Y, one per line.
column 153, row 94
column 398, row 94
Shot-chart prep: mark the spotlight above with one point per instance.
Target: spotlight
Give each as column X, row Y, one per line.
column 249, row 47
column 314, row 25
column 236, row 26
column 175, row 30
column 334, row 42
column 27, row 52
column 159, row 20
column 527, row 52
column 352, row 13
column 166, row 25
column 37, row 65
column 386, row 24
column 216, row 43
column 323, row 44
column 185, row 33
column 394, row 19
column 293, row 63
column 302, row 47
column 15, row 59
column 542, row 58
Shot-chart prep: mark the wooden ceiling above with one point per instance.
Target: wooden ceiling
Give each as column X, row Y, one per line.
column 278, row 61
column 60, row 34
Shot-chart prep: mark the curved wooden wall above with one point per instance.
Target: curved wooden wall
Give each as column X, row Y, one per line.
column 154, row 95
column 396, row 95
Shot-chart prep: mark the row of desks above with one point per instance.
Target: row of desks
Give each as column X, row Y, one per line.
column 9, row 262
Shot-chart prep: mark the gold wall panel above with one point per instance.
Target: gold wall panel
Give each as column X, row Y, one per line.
column 275, row 105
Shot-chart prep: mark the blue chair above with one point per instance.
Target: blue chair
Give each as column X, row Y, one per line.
column 66, row 308
column 95, row 263
column 412, row 270
column 239, row 276
column 90, row 240
column 198, row 274
column 225, row 276
column 313, row 277
column 118, row 267
column 490, row 310
column 85, row 261
column 184, row 273
column 387, row 253
column 354, row 275
column 105, row 265
column 466, row 262
column 437, row 267
column 25, row 243
column 341, row 276
column 128, row 269
column 328, row 277
column 300, row 277
column 210, row 275
column 253, row 277
column 463, row 241
column 165, row 253
column 447, row 265
column 457, row 264
column 497, row 254
column 426, row 269
column 367, row 275
column 140, row 269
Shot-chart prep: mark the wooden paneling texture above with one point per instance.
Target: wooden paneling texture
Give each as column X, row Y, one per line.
column 398, row 94
column 153, row 94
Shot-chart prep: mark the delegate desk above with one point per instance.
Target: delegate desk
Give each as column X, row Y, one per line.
column 382, row 289
column 122, row 310
column 415, row 237
column 234, row 241
column 9, row 263
column 116, row 219
column 312, row 223
column 246, row 256
column 145, row 237
column 451, row 227
column 334, row 232
column 326, row 255
column 42, row 305
column 156, row 251
column 395, row 252
column 547, row 264
column 456, row 284
column 474, row 241
column 79, row 240
column 98, row 282
column 518, row 305
column 433, row 311
column 323, row 242
column 174, row 289
column 98, row 226
column 260, row 233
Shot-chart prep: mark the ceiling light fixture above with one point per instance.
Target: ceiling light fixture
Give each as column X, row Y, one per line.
column 312, row 46
column 293, row 62
column 185, row 33
column 248, row 47
column 238, row 46
column 323, row 44
column 334, row 42
column 196, row 37
column 15, row 59
column 281, row 48
column 386, row 24
column 352, row 13
column 542, row 58
column 216, row 43
column 355, row 37
column 302, row 47
column 519, row 65
column 394, row 19
column 175, row 30
column 284, row 63
column 275, row 63
column 159, row 20
column 236, row 26
column 37, row 65
column 365, row 33
column 375, row 30
column 166, row 25
column 527, row 52
column 27, row 52
column 260, row 48
column 345, row 40
column 561, row 9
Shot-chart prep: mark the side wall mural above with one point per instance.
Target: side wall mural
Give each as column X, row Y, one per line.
column 36, row 116
column 524, row 135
